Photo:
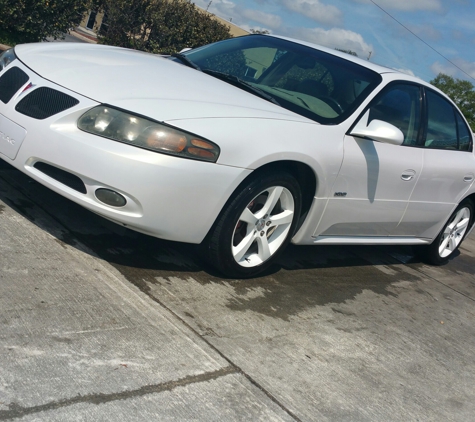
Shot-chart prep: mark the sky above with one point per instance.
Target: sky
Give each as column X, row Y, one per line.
column 414, row 36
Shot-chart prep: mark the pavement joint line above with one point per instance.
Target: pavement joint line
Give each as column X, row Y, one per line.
column 16, row 411
column 79, row 245
column 238, row 369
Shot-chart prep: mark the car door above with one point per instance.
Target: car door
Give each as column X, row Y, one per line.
column 448, row 171
column 376, row 179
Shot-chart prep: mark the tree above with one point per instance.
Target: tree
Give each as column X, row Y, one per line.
column 160, row 26
column 35, row 20
column 347, row 51
column 126, row 22
column 259, row 31
column 461, row 92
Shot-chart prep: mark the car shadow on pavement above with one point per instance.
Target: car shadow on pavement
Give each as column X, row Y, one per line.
column 324, row 273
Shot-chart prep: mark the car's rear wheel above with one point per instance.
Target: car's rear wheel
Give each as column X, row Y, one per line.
column 451, row 236
column 256, row 225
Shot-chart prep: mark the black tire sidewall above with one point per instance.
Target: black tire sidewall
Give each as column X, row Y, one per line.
column 220, row 241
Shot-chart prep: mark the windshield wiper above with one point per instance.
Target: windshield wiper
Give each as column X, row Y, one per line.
column 303, row 102
column 234, row 80
column 186, row 61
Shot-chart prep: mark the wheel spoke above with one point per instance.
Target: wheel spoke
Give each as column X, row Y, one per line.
column 443, row 245
column 274, row 196
column 447, row 231
column 240, row 250
column 264, row 252
column 456, row 220
column 462, row 225
column 248, row 217
column 452, row 244
column 284, row 217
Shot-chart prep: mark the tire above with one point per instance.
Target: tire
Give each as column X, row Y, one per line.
column 451, row 236
column 255, row 226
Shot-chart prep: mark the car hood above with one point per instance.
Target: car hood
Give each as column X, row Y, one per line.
column 144, row 83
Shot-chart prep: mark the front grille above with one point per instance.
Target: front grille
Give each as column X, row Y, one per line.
column 62, row 176
column 45, row 102
column 11, row 81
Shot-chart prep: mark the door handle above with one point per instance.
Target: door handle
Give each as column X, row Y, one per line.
column 468, row 178
column 408, row 175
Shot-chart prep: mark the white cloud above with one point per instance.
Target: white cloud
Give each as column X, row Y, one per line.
column 406, row 71
column 223, row 8
column 238, row 15
column 315, row 10
column 266, row 19
column 449, row 69
column 408, row 5
column 336, row 38
column 438, row 67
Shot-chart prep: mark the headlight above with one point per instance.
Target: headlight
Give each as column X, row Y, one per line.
column 6, row 58
column 143, row 133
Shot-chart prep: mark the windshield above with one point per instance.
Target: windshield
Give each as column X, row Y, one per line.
column 315, row 84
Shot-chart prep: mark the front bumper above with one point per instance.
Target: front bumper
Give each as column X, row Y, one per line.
column 167, row 197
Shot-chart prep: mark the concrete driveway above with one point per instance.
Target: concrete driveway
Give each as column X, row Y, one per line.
column 99, row 323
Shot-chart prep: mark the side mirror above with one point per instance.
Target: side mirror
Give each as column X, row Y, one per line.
column 378, row 131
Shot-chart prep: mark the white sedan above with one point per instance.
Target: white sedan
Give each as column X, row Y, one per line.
column 242, row 146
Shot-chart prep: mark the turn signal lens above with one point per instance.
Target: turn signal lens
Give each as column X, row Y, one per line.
column 201, row 144
column 166, row 140
column 202, row 153
column 121, row 126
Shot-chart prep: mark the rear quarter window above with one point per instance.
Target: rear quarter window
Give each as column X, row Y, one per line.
column 445, row 127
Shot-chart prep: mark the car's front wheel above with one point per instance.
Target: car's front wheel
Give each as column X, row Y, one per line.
column 255, row 226
column 451, row 236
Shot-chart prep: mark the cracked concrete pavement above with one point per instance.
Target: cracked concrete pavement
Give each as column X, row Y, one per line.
column 78, row 342
column 99, row 323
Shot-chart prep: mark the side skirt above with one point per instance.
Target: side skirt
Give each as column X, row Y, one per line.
column 368, row 240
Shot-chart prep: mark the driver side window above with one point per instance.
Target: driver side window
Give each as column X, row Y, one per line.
column 400, row 105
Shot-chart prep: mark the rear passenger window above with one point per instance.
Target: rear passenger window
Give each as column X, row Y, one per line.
column 445, row 129
column 464, row 134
